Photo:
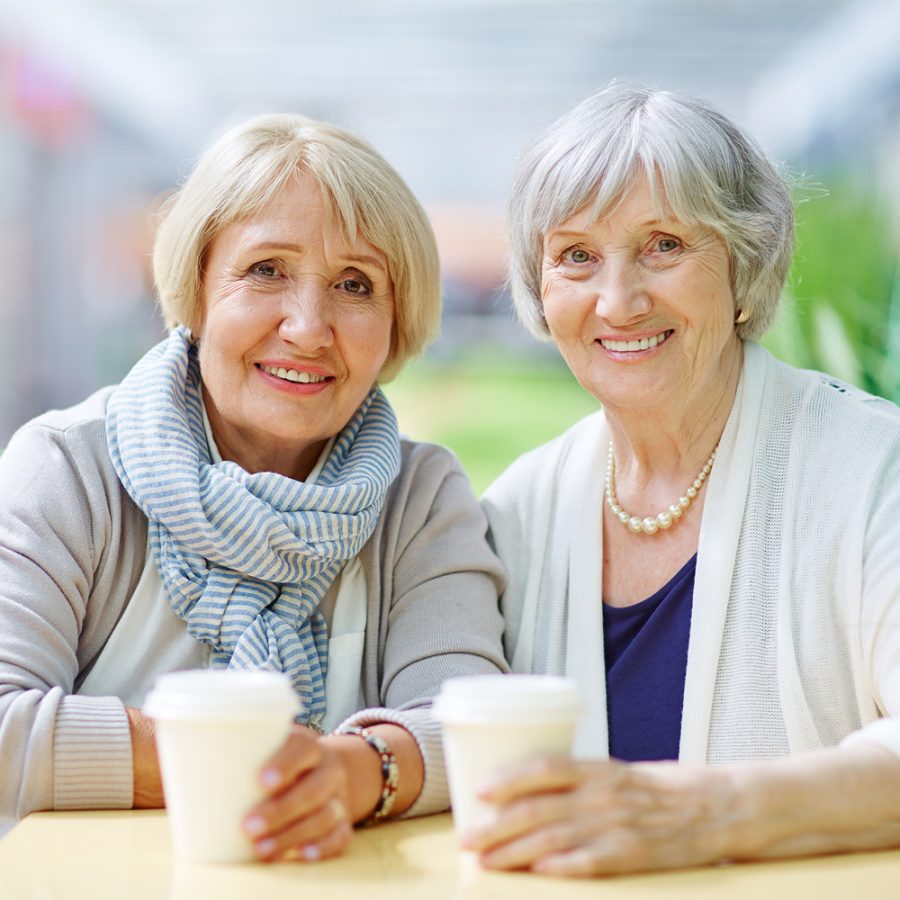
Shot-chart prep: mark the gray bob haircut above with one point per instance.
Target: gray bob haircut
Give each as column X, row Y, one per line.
column 246, row 168
column 699, row 165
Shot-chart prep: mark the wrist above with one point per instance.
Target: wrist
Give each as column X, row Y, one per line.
column 365, row 769
column 389, row 773
column 363, row 772
column 785, row 806
column 753, row 811
column 822, row 801
column 147, row 783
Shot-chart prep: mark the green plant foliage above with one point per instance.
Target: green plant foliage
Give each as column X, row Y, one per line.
column 841, row 312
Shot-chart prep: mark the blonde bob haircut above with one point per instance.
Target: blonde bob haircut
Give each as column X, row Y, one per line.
column 244, row 170
column 701, row 168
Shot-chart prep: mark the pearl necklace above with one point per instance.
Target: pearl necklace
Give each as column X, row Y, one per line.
column 667, row 518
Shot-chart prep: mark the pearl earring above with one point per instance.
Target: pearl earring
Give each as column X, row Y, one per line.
column 741, row 317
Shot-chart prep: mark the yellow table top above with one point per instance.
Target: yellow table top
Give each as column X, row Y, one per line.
column 116, row 855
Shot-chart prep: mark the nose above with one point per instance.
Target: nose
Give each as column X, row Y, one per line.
column 621, row 294
column 306, row 317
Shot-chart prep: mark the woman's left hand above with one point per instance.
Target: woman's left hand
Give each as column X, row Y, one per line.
column 559, row 816
column 306, row 814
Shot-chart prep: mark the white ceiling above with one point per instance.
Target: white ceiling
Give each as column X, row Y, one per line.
column 448, row 90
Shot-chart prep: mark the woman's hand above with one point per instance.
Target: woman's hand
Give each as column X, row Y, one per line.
column 564, row 817
column 306, row 814
column 560, row 816
column 310, row 809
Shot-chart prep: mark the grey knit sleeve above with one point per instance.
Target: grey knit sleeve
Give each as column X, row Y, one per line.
column 56, row 519
column 433, row 608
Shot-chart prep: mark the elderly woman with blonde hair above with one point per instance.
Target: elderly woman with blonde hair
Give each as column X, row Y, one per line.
column 714, row 556
column 243, row 499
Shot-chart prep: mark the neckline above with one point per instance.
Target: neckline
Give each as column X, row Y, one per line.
column 651, row 602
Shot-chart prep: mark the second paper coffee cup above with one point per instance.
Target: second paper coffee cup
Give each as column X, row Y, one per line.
column 493, row 722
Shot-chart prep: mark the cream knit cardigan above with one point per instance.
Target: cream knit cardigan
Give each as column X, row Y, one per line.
column 795, row 628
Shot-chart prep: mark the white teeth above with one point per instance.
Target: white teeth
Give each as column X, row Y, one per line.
column 631, row 346
column 294, row 375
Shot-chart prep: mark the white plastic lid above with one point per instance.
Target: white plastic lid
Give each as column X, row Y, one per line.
column 507, row 698
column 221, row 694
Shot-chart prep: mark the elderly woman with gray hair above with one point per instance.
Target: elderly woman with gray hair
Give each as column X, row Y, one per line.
column 715, row 556
column 243, row 499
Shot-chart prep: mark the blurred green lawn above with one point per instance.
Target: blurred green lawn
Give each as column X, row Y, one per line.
column 488, row 406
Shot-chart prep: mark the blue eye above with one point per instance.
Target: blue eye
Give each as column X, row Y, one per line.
column 666, row 245
column 577, row 255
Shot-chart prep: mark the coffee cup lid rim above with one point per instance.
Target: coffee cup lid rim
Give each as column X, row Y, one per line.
column 507, row 698
column 217, row 694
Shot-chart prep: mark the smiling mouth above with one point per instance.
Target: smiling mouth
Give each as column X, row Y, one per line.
column 634, row 346
column 293, row 375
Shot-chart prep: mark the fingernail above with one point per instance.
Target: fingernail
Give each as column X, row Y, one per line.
column 311, row 853
column 254, row 825
column 266, row 847
column 270, row 778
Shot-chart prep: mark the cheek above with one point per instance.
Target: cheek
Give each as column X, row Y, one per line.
column 218, row 342
column 223, row 343
column 215, row 369
column 368, row 334
column 236, row 323
column 562, row 306
column 720, row 316
column 378, row 344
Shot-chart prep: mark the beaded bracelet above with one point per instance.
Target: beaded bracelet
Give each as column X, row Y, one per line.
column 390, row 774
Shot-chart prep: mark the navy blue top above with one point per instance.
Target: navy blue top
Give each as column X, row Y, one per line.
column 646, row 657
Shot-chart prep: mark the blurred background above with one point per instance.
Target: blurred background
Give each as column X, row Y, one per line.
column 104, row 104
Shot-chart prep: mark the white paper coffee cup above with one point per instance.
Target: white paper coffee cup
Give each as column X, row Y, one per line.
column 491, row 723
column 215, row 729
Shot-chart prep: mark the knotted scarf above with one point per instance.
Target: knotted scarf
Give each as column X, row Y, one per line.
column 246, row 558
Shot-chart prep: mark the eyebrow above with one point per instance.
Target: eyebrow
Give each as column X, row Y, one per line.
column 355, row 258
column 563, row 233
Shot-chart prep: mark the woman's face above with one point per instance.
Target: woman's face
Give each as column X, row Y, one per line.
column 296, row 325
column 640, row 306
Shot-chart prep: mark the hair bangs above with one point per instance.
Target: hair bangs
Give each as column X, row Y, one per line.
column 700, row 168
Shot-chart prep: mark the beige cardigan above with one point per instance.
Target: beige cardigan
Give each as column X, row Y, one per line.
column 795, row 629
column 72, row 547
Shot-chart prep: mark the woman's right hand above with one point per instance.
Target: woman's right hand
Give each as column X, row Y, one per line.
column 309, row 810
column 308, row 814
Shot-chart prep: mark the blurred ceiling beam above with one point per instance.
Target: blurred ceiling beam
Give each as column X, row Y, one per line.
column 119, row 68
column 831, row 82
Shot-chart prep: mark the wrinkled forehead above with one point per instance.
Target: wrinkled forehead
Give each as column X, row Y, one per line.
column 286, row 200
column 606, row 198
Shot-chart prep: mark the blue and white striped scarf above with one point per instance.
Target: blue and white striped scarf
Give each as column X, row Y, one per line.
column 245, row 559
